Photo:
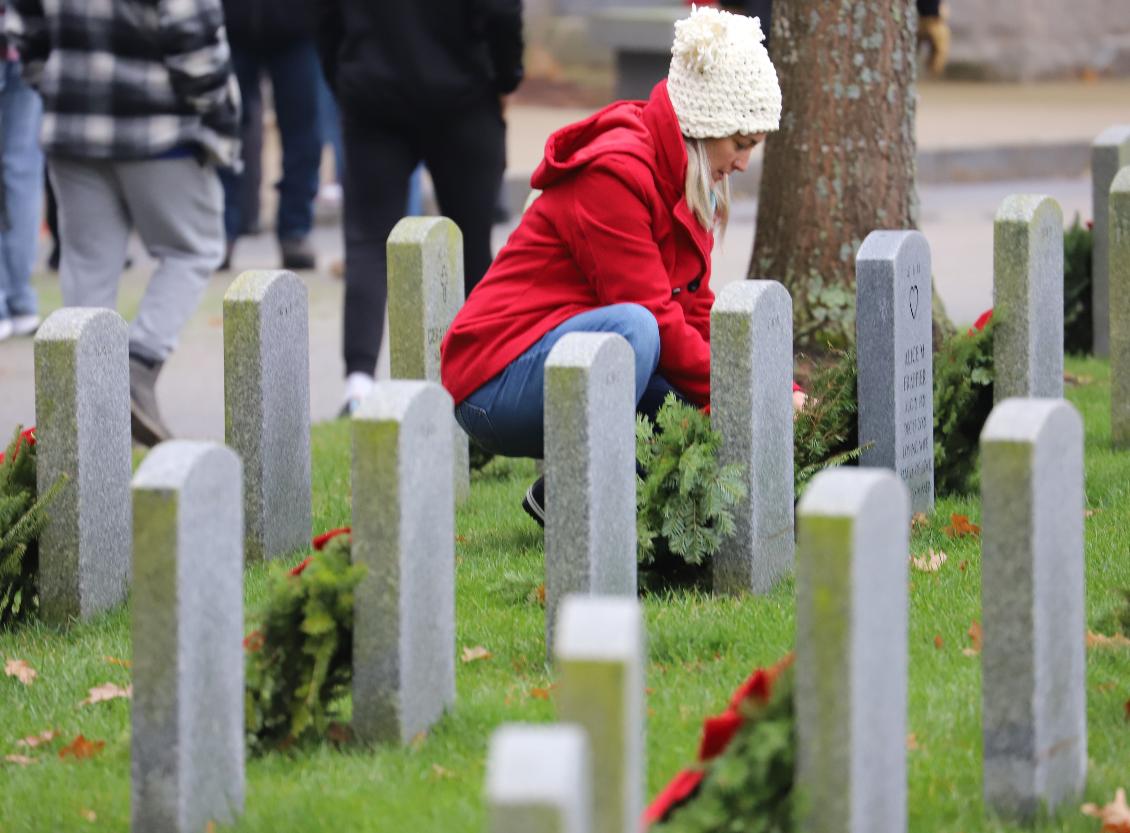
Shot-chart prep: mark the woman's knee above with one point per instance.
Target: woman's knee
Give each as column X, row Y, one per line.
column 641, row 330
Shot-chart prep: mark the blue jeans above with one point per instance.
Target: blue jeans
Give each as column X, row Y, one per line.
column 20, row 113
column 295, row 75
column 507, row 414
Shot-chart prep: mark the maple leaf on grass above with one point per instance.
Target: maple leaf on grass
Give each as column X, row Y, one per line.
column 81, row 748
column 475, row 654
column 1114, row 816
column 919, row 520
column 19, row 669
column 960, row 526
column 107, row 691
column 975, row 638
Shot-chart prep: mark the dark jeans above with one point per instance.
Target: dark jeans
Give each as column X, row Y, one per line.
column 465, row 155
column 295, row 74
column 507, row 414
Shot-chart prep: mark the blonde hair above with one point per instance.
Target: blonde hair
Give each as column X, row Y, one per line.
column 700, row 187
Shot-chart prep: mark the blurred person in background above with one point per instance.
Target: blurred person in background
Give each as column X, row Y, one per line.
column 21, row 182
column 276, row 37
column 415, row 82
column 140, row 107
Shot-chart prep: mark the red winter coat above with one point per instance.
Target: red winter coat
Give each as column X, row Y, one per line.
column 611, row 226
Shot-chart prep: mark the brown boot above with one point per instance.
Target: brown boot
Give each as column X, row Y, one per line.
column 146, row 424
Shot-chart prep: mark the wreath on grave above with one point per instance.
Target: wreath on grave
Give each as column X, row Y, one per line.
column 300, row 657
column 23, row 513
column 743, row 778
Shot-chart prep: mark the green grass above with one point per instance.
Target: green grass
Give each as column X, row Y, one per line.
column 700, row 649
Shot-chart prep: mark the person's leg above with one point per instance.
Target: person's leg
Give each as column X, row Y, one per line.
column 176, row 205
column 380, row 162
column 247, row 68
column 506, row 415
column 466, row 180
column 295, row 74
column 329, row 123
column 23, row 182
column 93, row 230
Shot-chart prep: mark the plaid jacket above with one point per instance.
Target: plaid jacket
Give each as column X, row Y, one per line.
column 129, row 79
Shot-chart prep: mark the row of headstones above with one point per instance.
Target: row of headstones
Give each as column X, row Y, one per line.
column 587, row 772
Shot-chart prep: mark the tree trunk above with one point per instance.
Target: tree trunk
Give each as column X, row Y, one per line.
column 842, row 164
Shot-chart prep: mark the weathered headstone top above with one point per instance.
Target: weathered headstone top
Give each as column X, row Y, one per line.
column 1034, row 713
column 894, row 293
column 539, row 780
column 1119, row 238
column 267, row 406
column 187, row 739
column 404, row 533
column 590, row 480
column 1109, row 153
column 751, row 327
column 1028, row 298
column 83, row 428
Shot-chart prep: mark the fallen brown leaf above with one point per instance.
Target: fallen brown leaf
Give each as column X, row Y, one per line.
column 20, row 760
column 929, row 563
column 107, row 691
column 960, row 526
column 441, row 772
column 1126, row 710
column 975, row 638
column 460, row 539
column 919, row 520
column 124, row 663
column 1090, row 513
column 912, row 742
column 541, row 693
column 963, row 565
column 88, row 814
column 1105, row 687
column 1098, row 640
column 81, row 748
column 938, row 643
column 1072, row 379
column 19, row 669
column 475, row 654
column 1114, row 816
column 32, row 741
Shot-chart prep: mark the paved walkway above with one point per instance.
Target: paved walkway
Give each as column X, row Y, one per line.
column 956, row 218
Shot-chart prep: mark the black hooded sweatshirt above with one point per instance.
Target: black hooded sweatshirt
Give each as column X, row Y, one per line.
column 397, row 61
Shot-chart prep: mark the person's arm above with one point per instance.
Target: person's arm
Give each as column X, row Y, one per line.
column 196, row 54
column 502, row 26
column 330, row 34
column 26, row 27
column 612, row 241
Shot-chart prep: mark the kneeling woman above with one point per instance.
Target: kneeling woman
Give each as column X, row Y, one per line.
column 619, row 241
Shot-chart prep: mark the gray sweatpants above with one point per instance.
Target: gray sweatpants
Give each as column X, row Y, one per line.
column 176, row 205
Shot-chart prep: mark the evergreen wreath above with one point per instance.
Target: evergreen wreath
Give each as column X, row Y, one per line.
column 23, row 514
column 300, row 658
column 685, row 497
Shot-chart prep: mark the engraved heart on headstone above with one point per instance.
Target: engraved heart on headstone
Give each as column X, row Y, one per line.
column 914, row 301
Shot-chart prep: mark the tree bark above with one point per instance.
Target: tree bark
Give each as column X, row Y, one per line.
column 842, row 164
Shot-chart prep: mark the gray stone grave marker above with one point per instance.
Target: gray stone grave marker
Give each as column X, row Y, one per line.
column 404, row 533
column 893, row 341
column 425, row 291
column 267, row 407
column 751, row 373
column 1028, row 298
column 590, row 470
column 83, row 431
column 1110, row 152
column 1033, row 663
column 851, row 651
column 187, row 743
column 600, row 658
column 1119, row 228
column 539, row 780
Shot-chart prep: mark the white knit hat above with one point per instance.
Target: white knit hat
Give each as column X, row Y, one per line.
column 721, row 80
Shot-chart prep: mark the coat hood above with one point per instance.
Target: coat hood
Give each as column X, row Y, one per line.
column 647, row 130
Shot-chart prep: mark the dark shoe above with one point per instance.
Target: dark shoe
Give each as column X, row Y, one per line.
column 54, row 258
column 534, row 501
column 297, row 254
column 146, row 424
column 229, row 250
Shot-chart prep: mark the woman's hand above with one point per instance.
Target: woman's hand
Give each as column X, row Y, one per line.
column 799, row 400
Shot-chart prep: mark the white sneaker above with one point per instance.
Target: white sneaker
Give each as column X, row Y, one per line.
column 6, row 328
column 357, row 386
column 25, row 325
